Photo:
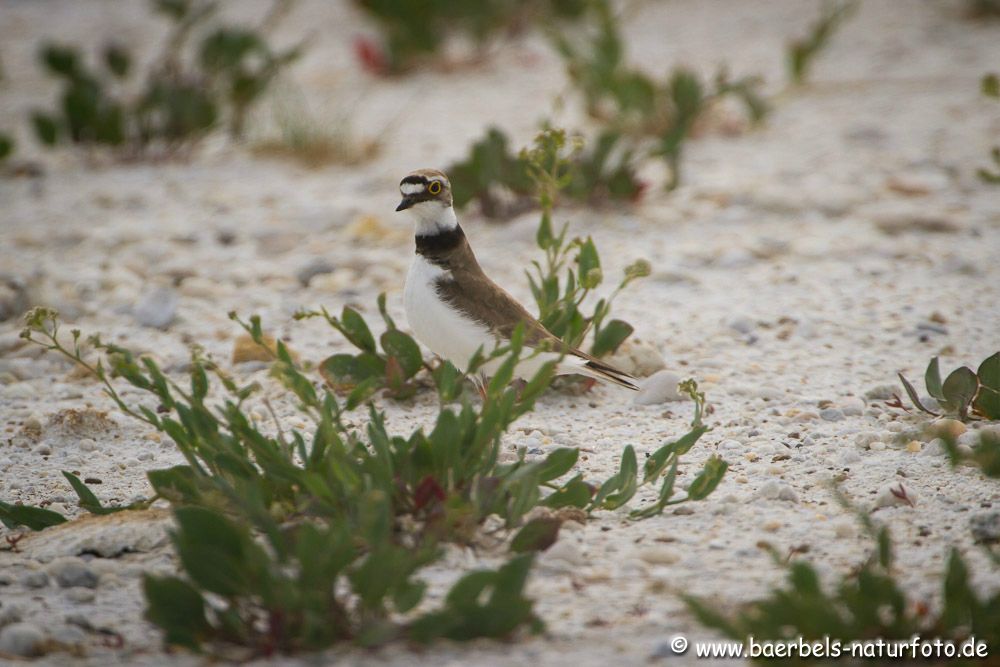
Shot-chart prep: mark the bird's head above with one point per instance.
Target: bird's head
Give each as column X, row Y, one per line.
column 426, row 191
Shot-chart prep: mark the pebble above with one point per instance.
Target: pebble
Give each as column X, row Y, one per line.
column 22, row 639
column 985, row 526
column 831, row 414
column 742, row 324
column 775, row 490
column 316, row 267
column 87, row 445
column 848, row 456
column 14, row 298
column 80, row 594
column 933, row 448
column 660, row 387
column 730, row 446
column 69, row 635
column 659, row 556
column 888, row 496
column 563, row 556
column 10, row 613
column 156, row 308
column 877, row 446
column 969, row 439
column 35, row 579
column 844, row 530
column 882, row 392
column 947, row 428
column 72, row 572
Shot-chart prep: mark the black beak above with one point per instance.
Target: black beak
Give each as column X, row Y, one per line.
column 405, row 204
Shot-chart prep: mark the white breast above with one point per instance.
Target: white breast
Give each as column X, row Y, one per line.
column 445, row 331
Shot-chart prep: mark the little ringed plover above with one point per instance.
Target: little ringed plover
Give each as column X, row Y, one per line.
column 455, row 309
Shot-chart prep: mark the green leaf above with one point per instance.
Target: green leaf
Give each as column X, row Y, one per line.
column 117, row 60
column 610, row 337
column 178, row 609
column 344, row 371
column 912, row 393
column 574, row 493
column 991, row 85
column 543, row 237
column 960, row 389
column 219, row 555
column 399, row 345
column 708, row 479
column 536, row 535
column 558, row 463
column 384, row 312
column 88, row 500
column 988, row 398
column 959, row 600
column 62, row 60
column 6, row 146
column 356, row 330
column 589, row 265
column 177, row 484
column 46, row 128
column 35, row 518
column 619, row 488
column 932, row 379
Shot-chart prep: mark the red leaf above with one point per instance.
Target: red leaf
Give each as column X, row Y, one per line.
column 426, row 491
column 370, row 55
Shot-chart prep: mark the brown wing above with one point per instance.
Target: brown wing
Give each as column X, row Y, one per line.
column 470, row 291
column 477, row 297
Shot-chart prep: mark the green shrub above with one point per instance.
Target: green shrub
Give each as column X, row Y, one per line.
column 6, row 146
column 502, row 182
column 653, row 117
column 802, row 52
column 184, row 94
column 867, row 604
column 991, row 88
column 298, row 540
column 962, row 390
column 560, row 302
column 415, row 31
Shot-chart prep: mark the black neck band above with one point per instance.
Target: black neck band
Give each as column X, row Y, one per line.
column 441, row 243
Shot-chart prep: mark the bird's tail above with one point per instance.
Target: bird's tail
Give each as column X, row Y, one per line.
column 599, row 370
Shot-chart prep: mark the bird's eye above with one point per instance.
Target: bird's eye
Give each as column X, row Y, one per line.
column 434, row 188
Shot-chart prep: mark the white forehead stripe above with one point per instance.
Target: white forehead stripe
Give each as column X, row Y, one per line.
column 411, row 188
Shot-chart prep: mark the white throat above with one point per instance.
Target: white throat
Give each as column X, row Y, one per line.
column 431, row 217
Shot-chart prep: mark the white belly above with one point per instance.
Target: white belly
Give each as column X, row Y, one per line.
column 439, row 327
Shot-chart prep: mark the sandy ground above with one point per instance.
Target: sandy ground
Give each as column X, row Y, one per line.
column 797, row 270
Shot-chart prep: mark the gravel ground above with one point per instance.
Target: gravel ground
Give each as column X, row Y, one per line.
column 797, row 270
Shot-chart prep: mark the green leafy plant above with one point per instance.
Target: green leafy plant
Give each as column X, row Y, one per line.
column 298, row 540
column 991, row 88
column 502, row 183
column 985, row 454
column 393, row 368
column 560, row 301
column 652, row 117
column 185, row 92
column 414, row 32
column 6, row 146
column 802, row 52
column 962, row 390
column 866, row 604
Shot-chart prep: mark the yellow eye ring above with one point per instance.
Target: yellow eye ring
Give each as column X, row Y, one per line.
column 434, row 188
